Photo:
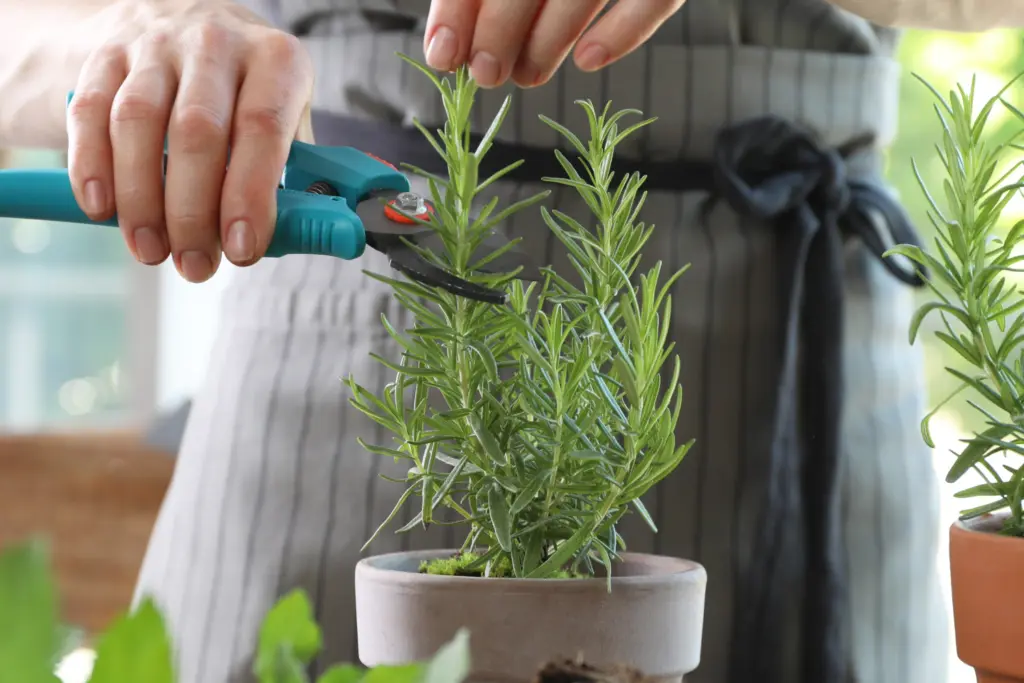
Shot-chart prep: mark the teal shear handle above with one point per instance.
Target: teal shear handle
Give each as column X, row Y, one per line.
column 307, row 222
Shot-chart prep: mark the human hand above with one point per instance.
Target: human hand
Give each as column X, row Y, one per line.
column 203, row 78
column 528, row 40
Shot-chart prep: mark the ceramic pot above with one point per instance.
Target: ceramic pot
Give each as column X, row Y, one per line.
column 652, row 620
column 988, row 599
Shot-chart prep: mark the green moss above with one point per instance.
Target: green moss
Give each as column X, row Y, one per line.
column 459, row 565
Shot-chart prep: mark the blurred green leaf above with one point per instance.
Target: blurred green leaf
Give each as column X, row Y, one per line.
column 343, row 673
column 136, row 648
column 289, row 639
column 451, row 663
column 30, row 640
column 404, row 673
column 976, row 338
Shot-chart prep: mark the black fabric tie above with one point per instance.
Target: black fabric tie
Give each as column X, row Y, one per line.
column 770, row 170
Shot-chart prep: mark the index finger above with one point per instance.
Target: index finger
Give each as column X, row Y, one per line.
column 449, row 33
column 626, row 26
column 272, row 102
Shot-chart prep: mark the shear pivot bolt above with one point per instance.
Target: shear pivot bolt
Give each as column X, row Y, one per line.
column 404, row 205
column 410, row 202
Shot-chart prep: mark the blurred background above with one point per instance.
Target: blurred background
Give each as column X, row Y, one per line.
column 945, row 59
column 85, row 339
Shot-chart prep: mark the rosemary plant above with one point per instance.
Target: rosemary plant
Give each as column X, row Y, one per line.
column 981, row 310
column 540, row 424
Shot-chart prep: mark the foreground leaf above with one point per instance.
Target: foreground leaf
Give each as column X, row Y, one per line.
column 29, row 637
column 136, row 648
column 289, row 632
column 404, row 673
column 281, row 666
column 452, row 662
column 343, row 673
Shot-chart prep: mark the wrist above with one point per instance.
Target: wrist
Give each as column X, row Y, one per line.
column 43, row 53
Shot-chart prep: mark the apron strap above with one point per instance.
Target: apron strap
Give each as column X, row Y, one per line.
column 771, row 171
column 408, row 146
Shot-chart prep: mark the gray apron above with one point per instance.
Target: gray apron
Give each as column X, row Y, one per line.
column 273, row 492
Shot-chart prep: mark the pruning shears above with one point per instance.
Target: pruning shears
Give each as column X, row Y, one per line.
column 332, row 201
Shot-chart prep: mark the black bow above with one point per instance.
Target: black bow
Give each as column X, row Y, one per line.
column 770, row 170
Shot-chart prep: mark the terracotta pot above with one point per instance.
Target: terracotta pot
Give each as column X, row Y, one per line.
column 988, row 599
column 652, row 620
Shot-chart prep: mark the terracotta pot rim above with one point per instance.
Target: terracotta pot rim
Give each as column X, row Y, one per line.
column 666, row 570
column 987, row 525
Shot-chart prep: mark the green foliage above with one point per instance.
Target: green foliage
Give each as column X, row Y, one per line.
column 137, row 647
column 981, row 310
column 468, row 564
column 29, row 637
column 290, row 640
column 464, row 564
column 541, row 423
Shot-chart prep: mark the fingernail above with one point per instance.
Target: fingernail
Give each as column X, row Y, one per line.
column 240, row 246
column 442, row 48
column 95, row 197
column 149, row 248
column 529, row 76
column 592, row 57
column 196, row 266
column 485, row 69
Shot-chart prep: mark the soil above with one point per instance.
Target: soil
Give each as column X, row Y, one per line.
column 577, row 671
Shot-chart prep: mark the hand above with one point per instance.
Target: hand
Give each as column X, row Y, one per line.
column 529, row 39
column 204, row 78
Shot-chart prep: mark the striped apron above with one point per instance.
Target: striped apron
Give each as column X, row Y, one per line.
column 272, row 491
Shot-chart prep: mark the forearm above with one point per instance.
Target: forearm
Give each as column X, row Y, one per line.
column 43, row 44
column 947, row 15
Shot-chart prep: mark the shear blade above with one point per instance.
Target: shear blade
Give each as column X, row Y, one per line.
column 405, row 260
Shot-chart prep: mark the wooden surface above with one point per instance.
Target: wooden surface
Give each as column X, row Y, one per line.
column 95, row 496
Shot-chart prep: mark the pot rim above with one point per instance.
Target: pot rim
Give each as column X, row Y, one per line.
column 986, row 525
column 668, row 570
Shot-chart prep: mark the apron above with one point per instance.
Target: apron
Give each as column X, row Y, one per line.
column 272, row 491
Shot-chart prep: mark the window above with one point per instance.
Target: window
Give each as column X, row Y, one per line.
column 77, row 322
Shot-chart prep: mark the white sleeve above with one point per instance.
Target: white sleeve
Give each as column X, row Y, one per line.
column 293, row 14
column 947, row 15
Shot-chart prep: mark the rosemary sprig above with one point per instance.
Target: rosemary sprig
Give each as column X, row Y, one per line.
column 541, row 423
column 980, row 308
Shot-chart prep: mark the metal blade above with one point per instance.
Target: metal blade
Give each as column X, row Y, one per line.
column 406, row 261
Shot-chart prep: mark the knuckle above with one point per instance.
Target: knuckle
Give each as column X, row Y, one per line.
column 131, row 107
column 199, row 127
column 261, row 122
column 155, row 39
column 89, row 104
column 287, row 51
column 107, row 56
column 210, row 38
